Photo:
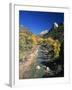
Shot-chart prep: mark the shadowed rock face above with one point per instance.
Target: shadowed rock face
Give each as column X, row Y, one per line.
column 56, row 33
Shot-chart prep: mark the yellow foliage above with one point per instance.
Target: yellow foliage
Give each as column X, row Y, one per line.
column 34, row 39
column 50, row 39
column 40, row 40
column 56, row 45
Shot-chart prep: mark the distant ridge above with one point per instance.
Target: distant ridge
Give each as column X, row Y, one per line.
column 24, row 30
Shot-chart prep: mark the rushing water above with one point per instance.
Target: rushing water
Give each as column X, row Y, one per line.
column 48, row 67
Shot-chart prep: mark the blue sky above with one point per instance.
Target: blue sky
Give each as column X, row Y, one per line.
column 38, row 21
